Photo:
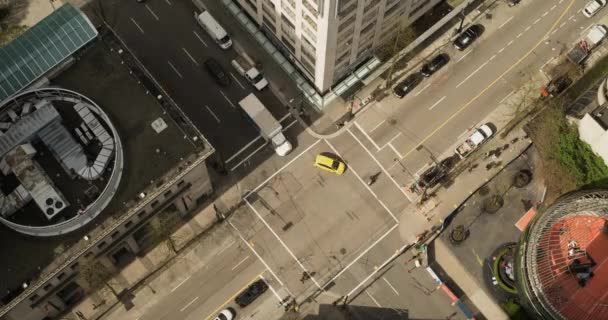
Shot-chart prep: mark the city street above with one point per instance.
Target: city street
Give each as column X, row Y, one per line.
column 165, row 37
column 338, row 230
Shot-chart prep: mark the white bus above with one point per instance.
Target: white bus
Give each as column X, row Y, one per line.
column 268, row 126
column 214, row 29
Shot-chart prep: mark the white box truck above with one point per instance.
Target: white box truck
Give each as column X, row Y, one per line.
column 478, row 137
column 583, row 48
column 269, row 127
column 246, row 68
column 214, row 29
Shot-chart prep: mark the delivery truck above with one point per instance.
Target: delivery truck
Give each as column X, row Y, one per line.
column 270, row 129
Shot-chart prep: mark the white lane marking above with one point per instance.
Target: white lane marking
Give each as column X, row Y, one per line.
column 422, row 89
column 438, row 102
column 379, row 165
column 506, row 97
column 554, row 31
column 283, row 244
column 243, row 149
column 391, row 140
column 554, row 6
column 237, row 80
column 189, row 303
column 466, row 54
column 200, row 39
column 226, row 97
column 282, row 168
column 138, row 27
column 276, row 295
column 473, row 73
column 374, row 300
column 571, row 17
column 168, row 2
column 232, row 242
column 503, row 24
column 585, row 30
column 544, row 14
column 390, row 285
column 561, row 25
column 519, row 35
column 395, row 150
column 177, row 286
column 152, row 12
column 377, row 126
column 362, row 254
column 175, row 69
column 213, row 114
column 367, row 136
column 256, row 253
column 248, row 157
column 240, row 262
column 190, row 56
column 510, row 43
column 528, row 28
column 536, row 21
column 501, row 50
column 492, row 58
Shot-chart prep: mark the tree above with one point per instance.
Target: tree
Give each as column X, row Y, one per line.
column 94, row 275
column 390, row 50
column 11, row 12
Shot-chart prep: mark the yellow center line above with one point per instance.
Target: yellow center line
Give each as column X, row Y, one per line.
column 259, row 276
column 466, row 105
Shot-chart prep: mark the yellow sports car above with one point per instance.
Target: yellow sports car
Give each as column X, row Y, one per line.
column 330, row 162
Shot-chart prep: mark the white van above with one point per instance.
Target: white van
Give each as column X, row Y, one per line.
column 214, row 29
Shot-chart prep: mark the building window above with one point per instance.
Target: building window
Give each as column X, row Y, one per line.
column 47, row 287
column 141, row 214
column 115, row 234
column 74, row 266
column 101, row 245
column 391, row 10
column 128, row 224
column 88, row 255
column 181, row 183
column 346, row 23
column 34, row 297
column 155, row 204
column 61, row 276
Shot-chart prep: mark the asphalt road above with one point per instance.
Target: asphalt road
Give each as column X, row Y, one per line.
column 517, row 42
column 167, row 40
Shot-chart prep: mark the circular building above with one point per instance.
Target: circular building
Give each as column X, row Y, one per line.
column 563, row 259
column 60, row 161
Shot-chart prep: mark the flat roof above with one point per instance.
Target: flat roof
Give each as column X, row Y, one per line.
column 42, row 47
column 99, row 75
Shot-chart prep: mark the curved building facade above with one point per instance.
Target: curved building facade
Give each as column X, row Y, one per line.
column 563, row 259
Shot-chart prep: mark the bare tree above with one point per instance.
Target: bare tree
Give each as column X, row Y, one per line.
column 94, row 276
column 391, row 48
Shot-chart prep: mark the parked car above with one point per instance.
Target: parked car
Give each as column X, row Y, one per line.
column 252, row 292
column 217, row 72
column 478, row 137
column 225, row 314
column 512, row 3
column 435, row 64
column 469, row 35
column 593, row 7
column 329, row 162
column 408, row 84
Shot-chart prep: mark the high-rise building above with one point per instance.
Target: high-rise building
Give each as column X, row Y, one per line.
column 327, row 39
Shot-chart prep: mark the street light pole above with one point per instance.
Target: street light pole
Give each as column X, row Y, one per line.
column 420, row 147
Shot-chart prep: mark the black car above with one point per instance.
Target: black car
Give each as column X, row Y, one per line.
column 408, row 84
column 435, row 64
column 255, row 290
column 468, row 36
column 217, row 72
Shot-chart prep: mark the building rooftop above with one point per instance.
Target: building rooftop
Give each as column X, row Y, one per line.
column 154, row 147
column 54, row 38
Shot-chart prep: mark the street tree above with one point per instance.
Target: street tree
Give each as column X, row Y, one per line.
column 95, row 276
column 390, row 50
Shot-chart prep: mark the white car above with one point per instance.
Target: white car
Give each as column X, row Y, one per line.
column 225, row 314
column 593, row 7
